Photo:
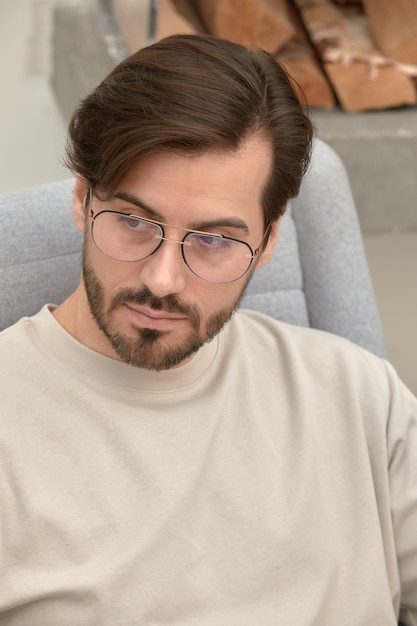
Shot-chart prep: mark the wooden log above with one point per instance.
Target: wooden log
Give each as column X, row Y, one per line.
column 309, row 83
column 297, row 56
column 300, row 61
column 357, row 92
column 393, row 25
column 352, row 3
column 362, row 78
column 254, row 23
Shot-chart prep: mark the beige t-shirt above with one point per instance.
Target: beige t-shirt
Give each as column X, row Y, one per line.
column 270, row 481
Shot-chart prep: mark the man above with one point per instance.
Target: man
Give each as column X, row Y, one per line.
column 166, row 461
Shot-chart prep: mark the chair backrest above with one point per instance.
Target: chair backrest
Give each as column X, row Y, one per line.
column 318, row 276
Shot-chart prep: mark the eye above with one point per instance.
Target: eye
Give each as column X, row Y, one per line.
column 130, row 222
column 210, row 241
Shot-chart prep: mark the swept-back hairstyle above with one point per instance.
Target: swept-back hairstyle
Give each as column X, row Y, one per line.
column 191, row 94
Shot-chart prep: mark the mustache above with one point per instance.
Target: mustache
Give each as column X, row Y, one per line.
column 169, row 303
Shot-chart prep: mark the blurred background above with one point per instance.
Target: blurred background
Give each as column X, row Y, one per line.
column 353, row 69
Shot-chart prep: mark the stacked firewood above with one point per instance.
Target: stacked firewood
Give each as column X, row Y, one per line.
column 358, row 54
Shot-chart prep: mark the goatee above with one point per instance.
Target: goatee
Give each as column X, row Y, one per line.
column 152, row 349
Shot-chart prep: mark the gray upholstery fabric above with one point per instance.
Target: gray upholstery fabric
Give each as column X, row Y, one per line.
column 39, row 249
column 337, row 283
column 318, row 276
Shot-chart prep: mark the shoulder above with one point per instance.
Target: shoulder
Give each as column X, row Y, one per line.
column 309, row 357
column 19, row 348
column 329, row 374
column 297, row 341
column 13, row 335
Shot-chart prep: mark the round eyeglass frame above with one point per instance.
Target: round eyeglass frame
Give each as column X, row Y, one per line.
column 183, row 243
column 253, row 254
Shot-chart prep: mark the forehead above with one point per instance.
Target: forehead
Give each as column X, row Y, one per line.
column 213, row 184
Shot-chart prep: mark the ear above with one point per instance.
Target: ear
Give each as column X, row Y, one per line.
column 79, row 198
column 268, row 251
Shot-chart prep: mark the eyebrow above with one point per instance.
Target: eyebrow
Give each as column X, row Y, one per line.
column 231, row 222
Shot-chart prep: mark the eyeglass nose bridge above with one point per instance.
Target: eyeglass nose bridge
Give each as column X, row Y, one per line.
column 164, row 238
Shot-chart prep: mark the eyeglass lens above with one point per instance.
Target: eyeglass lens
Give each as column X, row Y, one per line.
column 129, row 238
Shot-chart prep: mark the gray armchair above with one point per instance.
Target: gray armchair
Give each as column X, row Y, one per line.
column 318, row 276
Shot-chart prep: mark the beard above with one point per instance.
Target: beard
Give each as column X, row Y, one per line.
column 151, row 349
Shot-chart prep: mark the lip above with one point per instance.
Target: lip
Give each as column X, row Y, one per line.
column 150, row 318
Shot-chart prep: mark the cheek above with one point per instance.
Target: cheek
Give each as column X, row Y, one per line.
column 116, row 276
column 111, row 274
column 215, row 297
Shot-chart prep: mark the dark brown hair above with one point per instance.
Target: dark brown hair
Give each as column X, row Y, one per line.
column 191, row 94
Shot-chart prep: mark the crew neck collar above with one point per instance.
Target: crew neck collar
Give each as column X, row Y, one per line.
column 88, row 363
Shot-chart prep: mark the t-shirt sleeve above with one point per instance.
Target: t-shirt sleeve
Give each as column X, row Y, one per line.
column 402, row 454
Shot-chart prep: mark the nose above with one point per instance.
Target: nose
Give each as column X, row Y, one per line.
column 164, row 272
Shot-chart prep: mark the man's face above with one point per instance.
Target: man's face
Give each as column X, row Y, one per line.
column 156, row 313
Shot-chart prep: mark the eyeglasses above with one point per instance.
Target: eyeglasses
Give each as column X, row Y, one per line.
column 210, row 256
